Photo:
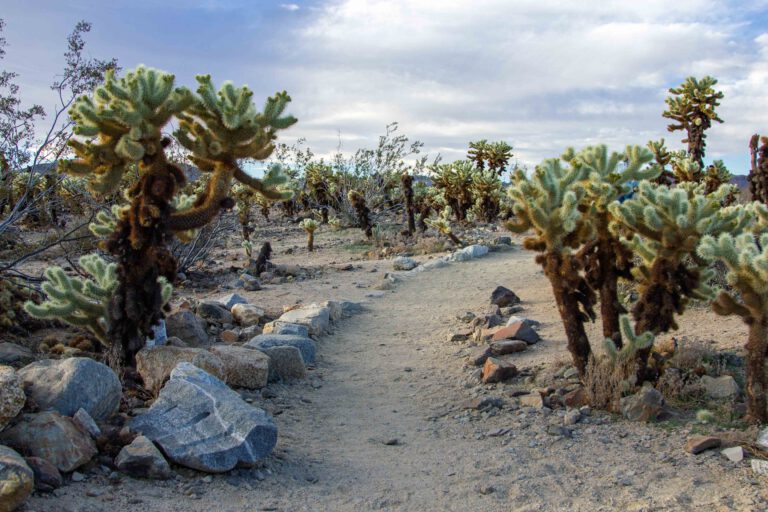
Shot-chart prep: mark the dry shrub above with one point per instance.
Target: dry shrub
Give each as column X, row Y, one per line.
column 606, row 382
column 429, row 245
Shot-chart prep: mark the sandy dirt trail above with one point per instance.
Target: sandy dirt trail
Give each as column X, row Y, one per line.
column 379, row 427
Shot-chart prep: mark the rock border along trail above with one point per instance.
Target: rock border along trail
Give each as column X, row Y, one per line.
column 379, row 425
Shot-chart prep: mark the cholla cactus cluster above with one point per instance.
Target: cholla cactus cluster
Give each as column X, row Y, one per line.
column 443, row 226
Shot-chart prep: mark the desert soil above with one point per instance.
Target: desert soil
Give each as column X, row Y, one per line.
column 379, row 425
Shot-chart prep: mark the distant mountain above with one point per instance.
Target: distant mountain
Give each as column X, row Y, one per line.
column 741, row 181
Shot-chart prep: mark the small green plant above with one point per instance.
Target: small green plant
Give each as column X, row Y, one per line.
column 443, row 226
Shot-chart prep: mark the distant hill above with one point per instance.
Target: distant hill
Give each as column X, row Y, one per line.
column 741, row 181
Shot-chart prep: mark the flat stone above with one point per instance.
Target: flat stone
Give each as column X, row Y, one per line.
column 188, row 327
column 15, row 355
column 644, row 405
column 16, row 480
column 500, row 348
column 278, row 327
column 12, row 397
column 230, row 300
column 404, row 263
column 53, row 437
column 305, row 345
column 532, row 400
column 533, row 324
column 734, row 453
column 504, row 297
column 244, row 367
column 316, row 318
column 720, row 387
column 479, row 355
column 67, row 385
column 47, row 476
column 698, row 444
column 517, row 331
column 498, row 370
column 214, row 312
column 155, row 364
column 470, row 252
column 86, row 423
column 349, row 308
column 142, row 459
column 285, row 363
column 247, row 314
column 200, row 423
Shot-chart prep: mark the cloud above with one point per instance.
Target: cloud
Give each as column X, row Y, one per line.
column 290, row 7
column 541, row 74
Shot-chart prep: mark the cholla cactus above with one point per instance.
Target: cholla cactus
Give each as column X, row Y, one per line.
column 486, row 191
column 686, row 170
column 666, row 226
column 549, row 203
column 692, row 108
column 120, row 127
column 310, row 226
column 406, row 185
column 758, row 173
column 746, row 258
column 443, row 226
column 633, row 343
column 662, row 157
column 363, row 212
column 716, row 175
column 319, row 180
column 603, row 256
column 493, row 156
column 455, row 182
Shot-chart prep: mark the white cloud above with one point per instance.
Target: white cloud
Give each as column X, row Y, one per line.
column 290, row 7
column 541, row 74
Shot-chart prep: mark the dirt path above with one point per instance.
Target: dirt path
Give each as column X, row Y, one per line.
column 379, row 427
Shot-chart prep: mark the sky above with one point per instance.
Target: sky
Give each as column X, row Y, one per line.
column 541, row 75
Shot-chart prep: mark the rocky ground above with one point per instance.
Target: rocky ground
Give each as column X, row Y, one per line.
column 392, row 415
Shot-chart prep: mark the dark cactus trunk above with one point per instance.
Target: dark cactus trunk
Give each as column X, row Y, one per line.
column 757, row 387
column 407, row 181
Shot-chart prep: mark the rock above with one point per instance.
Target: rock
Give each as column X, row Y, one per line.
column 502, row 240
column 571, row 417
column 533, row 400
column 15, row 355
column 335, row 309
column 349, row 308
column 501, row 348
column 285, row 363
column 760, row 467
column 480, row 354
column 173, row 341
column 47, row 476
column 156, row 364
column 12, row 397
column 243, row 367
column 517, row 331
column 86, row 423
column 200, row 423
column 142, row 459
column 720, row 387
column 644, row 405
column 229, row 336
column 432, row 264
column 698, row 444
column 404, row 263
column 77, row 477
column 576, row 398
column 497, row 370
column 16, row 480
column 461, row 335
column 316, row 318
column 762, row 439
column 466, row 317
column 249, row 283
column 69, row 384
column 278, row 327
column 485, row 402
column 734, row 453
column 188, row 327
column 305, row 345
column 511, row 310
column 504, row 297
column 53, row 437
column 247, row 314
column 213, row 312
column 470, row 252
column 533, row 324
column 230, row 300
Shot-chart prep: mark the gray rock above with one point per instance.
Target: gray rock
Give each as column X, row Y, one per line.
column 533, row 324
column 720, row 387
column 432, row 265
column 470, row 252
column 69, row 384
column 500, row 348
column 231, row 299
column 278, row 327
column 762, row 439
column 349, row 308
column 52, row 437
column 247, row 314
column 285, row 363
column 335, row 309
column 47, row 476
column 571, row 417
column 250, row 283
column 200, row 423
column 213, row 312
column 15, row 355
column 305, row 345
column 316, row 318
column 480, row 354
column 404, row 263
column 734, row 453
column 142, row 459
column 188, row 327
column 244, row 367
column 644, row 405
column 16, row 480
column 156, row 364
column 12, row 397
column 502, row 240
column 86, row 423
column 504, row 297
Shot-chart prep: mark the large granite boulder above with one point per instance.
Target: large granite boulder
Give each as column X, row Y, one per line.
column 305, row 345
column 316, row 318
column 285, row 363
column 155, row 364
column 16, row 479
column 243, row 367
column 188, row 327
column 200, row 423
column 52, row 437
column 12, row 395
column 278, row 327
column 67, row 385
